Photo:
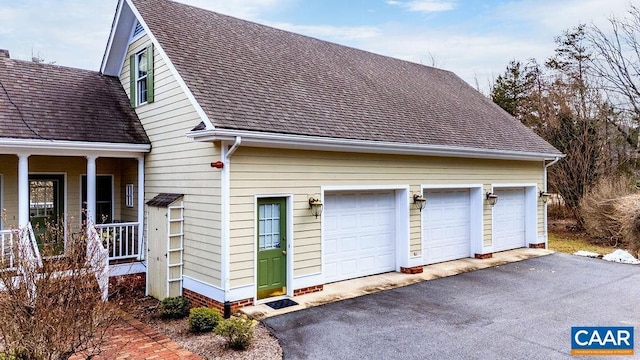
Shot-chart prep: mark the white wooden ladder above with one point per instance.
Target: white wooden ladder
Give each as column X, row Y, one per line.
column 175, row 239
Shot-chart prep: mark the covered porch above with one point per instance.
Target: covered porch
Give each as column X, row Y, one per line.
column 71, row 185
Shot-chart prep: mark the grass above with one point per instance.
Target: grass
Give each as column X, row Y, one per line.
column 572, row 243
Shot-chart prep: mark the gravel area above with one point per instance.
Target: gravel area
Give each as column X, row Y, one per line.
column 209, row 345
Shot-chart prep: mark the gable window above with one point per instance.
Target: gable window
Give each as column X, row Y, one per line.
column 137, row 30
column 141, row 65
column 104, row 198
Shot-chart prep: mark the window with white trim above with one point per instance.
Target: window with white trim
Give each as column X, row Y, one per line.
column 128, row 198
column 141, row 77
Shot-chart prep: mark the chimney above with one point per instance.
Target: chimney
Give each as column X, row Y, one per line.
column 4, row 54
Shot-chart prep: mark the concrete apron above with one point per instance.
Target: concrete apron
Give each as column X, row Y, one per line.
column 370, row 284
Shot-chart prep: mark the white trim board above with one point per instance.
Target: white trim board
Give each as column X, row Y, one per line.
column 306, row 142
column 203, row 288
column 71, row 148
column 126, row 269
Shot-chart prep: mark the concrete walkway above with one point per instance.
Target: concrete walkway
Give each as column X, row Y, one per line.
column 131, row 339
column 371, row 284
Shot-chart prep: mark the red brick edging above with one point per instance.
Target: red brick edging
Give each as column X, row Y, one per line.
column 412, row 270
column 484, row 256
column 537, row 246
column 199, row 300
column 308, row 290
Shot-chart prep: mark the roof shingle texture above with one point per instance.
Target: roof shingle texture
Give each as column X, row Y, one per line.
column 50, row 102
column 248, row 76
column 164, row 199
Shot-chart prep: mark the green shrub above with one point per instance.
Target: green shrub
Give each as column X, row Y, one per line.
column 175, row 307
column 238, row 331
column 203, row 319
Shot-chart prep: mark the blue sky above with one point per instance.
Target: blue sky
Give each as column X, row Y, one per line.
column 474, row 39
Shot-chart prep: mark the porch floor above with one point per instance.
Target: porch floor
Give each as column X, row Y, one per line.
column 370, row 284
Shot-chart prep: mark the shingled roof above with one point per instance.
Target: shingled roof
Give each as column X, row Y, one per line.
column 253, row 77
column 50, row 102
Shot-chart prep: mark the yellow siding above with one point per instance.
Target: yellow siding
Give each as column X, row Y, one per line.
column 129, row 173
column 302, row 173
column 179, row 164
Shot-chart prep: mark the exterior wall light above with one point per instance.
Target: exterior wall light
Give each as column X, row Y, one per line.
column 544, row 196
column 315, row 206
column 419, row 202
column 492, row 198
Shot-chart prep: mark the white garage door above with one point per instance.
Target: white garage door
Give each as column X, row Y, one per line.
column 446, row 225
column 509, row 219
column 359, row 234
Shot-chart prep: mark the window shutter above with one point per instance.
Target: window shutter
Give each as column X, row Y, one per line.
column 132, row 79
column 150, row 74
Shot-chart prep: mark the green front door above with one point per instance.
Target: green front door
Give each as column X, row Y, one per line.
column 272, row 246
column 46, row 212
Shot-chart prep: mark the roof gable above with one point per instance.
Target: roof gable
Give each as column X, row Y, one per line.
column 252, row 77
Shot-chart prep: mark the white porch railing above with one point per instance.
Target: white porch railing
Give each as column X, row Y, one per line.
column 7, row 250
column 98, row 259
column 121, row 240
column 29, row 261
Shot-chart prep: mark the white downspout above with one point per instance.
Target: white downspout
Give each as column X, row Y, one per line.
column 226, row 214
column 233, row 149
column 544, row 211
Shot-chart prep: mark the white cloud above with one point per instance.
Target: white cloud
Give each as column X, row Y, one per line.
column 424, row 6
column 555, row 16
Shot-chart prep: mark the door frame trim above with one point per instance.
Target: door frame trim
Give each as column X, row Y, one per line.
column 288, row 198
column 402, row 215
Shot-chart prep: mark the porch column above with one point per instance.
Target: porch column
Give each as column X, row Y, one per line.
column 141, row 248
column 23, row 190
column 91, row 188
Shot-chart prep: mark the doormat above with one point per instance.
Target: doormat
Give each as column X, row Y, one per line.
column 281, row 304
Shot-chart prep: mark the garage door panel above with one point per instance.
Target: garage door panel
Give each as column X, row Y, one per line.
column 509, row 222
column 446, row 225
column 363, row 234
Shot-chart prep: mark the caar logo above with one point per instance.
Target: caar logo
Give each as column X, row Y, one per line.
column 601, row 340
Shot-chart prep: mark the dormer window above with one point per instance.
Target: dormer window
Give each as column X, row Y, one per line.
column 141, row 77
column 141, row 73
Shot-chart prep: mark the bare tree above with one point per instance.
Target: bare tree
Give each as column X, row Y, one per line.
column 54, row 309
column 617, row 61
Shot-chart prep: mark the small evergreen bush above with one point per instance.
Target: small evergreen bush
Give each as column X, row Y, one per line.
column 238, row 331
column 203, row 319
column 175, row 307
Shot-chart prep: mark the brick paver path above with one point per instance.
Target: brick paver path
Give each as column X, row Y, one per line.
column 131, row 339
